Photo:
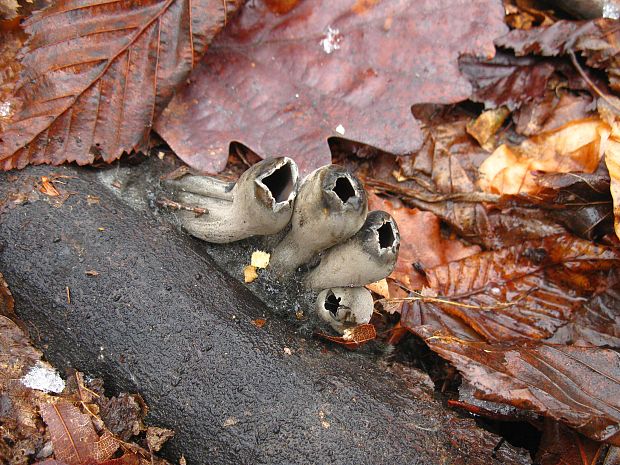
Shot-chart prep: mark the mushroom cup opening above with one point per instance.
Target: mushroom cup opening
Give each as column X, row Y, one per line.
column 332, row 303
column 344, row 189
column 387, row 236
column 281, row 182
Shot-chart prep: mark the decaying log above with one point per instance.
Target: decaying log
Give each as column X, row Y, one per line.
column 161, row 318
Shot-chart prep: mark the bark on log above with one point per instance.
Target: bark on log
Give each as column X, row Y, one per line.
column 162, row 319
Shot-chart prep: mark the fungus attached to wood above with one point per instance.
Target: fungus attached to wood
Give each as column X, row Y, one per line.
column 345, row 307
column 330, row 207
column 260, row 203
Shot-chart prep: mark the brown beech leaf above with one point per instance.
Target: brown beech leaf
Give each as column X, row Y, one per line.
column 73, row 435
column 96, row 73
column 50, row 462
column 422, row 245
column 21, row 433
column 418, row 313
column 597, row 321
column 580, row 201
column 598, row 41
column 556, row 109
column 578, row 386
column 284, row 84
column 522, row 292
column 576, row 146
column 12, row 39
column 128, row 458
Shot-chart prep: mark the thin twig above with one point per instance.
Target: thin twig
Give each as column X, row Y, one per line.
column 471, row 197
column 423, row 298
column 164, row 202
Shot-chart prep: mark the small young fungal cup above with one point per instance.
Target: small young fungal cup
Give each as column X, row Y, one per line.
column 345, row 307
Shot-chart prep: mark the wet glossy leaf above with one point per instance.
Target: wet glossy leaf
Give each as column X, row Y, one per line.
column 579, row 386
column 95, row 74
column 73, row 435
column 597, row 321
column 21, row 433
column 423, row 313
column 522, row 292
column 577, row 146
column 284, row 84
column 580, row 201
column 11, row 40
column 555, row 110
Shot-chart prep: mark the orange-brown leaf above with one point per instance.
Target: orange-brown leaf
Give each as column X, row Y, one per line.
column 422, row 245
column 97, row 73
column 576, row 146
column 353, row 338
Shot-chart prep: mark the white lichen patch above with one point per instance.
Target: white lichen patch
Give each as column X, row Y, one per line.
column 331, row 41
column 43, row 378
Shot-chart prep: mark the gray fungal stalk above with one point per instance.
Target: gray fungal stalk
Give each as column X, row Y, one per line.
column 330, row 207
column 259, row 203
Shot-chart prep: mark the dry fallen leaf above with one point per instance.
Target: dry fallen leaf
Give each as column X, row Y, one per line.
column 354, row 337
column 285, row 84
column 156, row 437
column 577, row 146
column 249, row 274
column 95, row 75
column 612, row 158
column 73, row 434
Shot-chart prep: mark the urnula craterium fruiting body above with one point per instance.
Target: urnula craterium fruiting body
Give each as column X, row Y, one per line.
column 260, row 203
column 329, row 224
